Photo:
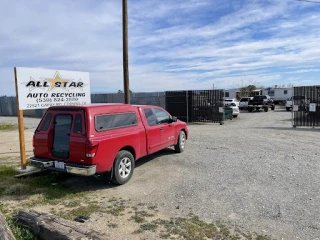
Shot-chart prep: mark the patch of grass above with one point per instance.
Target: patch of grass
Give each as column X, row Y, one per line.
column 113, row 199
column 7, row 127
column 40, row 184
column 116, row 210
column 138, row 231
column 18, row 189
column 192, row 228
column 20, row 232
column 140, row 216
column 149, row 227
column 152, row 207
column 112, row 225
column 7, row 178
column 74, row 203
column 84, row 211
column 7, row 171
column 164, row 235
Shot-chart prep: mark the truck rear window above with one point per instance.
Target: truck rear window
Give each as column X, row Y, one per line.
column 112, row 121
column 46, row 122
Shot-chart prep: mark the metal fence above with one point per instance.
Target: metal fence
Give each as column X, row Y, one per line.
column 306, row 106
column 206, row 105
column 196, row 106
column 179, row 104
column 8, row 105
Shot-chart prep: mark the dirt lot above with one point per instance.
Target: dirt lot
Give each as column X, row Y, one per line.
column 255, row 173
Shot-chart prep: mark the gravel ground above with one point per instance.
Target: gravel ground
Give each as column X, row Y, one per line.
column 255, row 172
column 30, row 123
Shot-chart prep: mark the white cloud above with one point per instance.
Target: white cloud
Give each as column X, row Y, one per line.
column 173, row 45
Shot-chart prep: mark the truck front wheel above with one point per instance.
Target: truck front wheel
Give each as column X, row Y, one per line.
column 179, row 147
column 123, row 167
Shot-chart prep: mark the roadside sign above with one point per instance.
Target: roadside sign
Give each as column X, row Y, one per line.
column 42, row 88
column 221, row 110
column 295, row 108
column 312, row 107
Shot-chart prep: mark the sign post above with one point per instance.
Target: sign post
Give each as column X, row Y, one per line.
column 21, row 126
column 42, row 88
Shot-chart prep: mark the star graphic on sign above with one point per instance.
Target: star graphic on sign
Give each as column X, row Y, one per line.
column 30, row 87
column 55, row 79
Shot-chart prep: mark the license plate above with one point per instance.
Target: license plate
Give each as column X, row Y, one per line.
column 59, row 165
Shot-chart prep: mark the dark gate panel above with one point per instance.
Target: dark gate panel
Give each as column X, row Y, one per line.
column 196, row 106
column 306, row 106
column 178, row 104
column 205, row 106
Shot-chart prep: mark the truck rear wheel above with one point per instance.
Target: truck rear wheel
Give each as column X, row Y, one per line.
column 288, row 109
column 273, row 107
column 123, row 167
column 266, row 109
column 179, row 147
column 250, row 109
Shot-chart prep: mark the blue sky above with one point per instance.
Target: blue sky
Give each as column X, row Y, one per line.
column 180, row 44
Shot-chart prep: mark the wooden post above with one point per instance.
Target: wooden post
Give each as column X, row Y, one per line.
column 21, row 126
column 125, row 52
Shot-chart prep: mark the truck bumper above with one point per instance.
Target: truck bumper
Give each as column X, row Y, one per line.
column 255, row 106
column 62, row 166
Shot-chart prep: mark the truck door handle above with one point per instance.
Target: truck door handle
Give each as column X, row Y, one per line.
column 161, row 129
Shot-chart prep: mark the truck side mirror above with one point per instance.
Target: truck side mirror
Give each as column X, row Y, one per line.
column 173, row 119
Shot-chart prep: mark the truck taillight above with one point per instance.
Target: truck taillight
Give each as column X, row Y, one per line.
column 91, row 148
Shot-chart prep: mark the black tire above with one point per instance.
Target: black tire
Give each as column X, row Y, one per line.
column 288, row 109
column 273, row 108
column 234, row 116
column 180, row 146
column 120, row 167
column 266, row 109
column 250, row 109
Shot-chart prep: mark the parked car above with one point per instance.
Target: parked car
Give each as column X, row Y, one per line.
column 232, row 100
column 289, row 103
column 243, row 104
column 235, row 108
column 104, row 139
column 261, row 102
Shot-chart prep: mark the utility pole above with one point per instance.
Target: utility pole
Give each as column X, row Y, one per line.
column 125, row 52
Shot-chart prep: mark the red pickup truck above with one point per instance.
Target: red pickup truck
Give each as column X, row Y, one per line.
column 104, row 139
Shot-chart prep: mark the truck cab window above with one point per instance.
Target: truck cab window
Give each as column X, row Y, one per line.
column 150, row 117
column 162, row 117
